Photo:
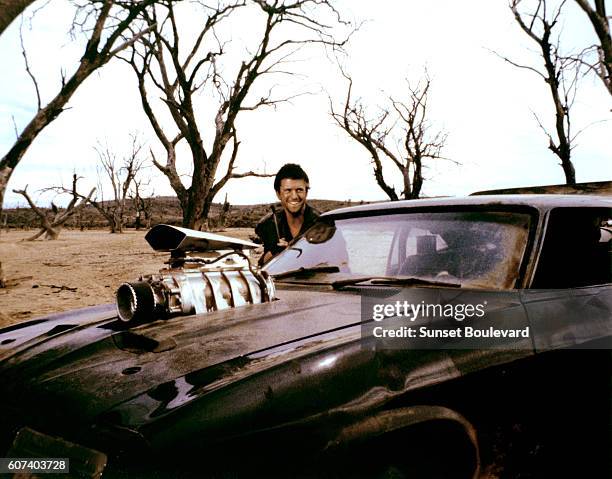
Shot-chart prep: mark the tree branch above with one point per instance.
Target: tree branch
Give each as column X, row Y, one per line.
column 91, row 60
column 556, row 68
column 375, row 135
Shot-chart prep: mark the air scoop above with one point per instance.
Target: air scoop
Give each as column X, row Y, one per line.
column 170, row 238
column 206, row 272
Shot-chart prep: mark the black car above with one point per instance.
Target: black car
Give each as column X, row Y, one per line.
column 428, row 338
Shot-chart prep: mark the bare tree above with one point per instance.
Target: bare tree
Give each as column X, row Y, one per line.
column 161, row 62
column 224, row 213
column 51, row 226
column 141, row 204
column 602, row 65
column 111, row 20
column 121, row 176
column 560, row 74
column 400, row 133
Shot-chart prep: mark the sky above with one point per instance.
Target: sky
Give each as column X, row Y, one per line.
column 485, row 105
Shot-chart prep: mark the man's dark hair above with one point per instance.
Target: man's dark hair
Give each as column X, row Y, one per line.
column 289, row 171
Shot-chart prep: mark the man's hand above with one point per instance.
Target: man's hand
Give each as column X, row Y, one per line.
column 282, row 242
column 266, row 257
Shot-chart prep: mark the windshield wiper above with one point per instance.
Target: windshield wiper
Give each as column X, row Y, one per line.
column 392, row 281
column 306, row 272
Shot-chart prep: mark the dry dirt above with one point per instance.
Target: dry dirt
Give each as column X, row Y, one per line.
column 80, row 268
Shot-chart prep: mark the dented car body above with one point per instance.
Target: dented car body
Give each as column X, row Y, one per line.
column 299, row 383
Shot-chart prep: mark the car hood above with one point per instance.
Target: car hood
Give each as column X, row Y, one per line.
column 89, row 361
column 263, row 365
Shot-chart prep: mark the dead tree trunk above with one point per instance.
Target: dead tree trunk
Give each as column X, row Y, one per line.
column 224, row 213
column 122, row 178
column 376, row 135
column 161, row 62
column 115, row 221
column 104, row 44
column 141, row 205
column 540, row 29
column 600, row 21
column 10, row 9
column 137, row 201
column 51, row 227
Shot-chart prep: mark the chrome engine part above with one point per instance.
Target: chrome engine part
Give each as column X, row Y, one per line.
column 212, row 280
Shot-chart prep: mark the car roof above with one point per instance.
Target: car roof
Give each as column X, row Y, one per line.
column 541, row 202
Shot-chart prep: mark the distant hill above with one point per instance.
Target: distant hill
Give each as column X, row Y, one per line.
column 164, row 209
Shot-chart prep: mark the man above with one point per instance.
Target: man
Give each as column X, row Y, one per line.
column 276, row 230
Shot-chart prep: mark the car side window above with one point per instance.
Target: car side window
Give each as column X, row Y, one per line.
column 576, row 250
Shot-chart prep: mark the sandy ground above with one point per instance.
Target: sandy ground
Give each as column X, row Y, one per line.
column 80, row 268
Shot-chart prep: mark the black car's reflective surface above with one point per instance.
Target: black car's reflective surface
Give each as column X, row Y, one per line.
column 294, row 387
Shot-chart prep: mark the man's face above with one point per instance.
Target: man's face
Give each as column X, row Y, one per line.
column 292, row 195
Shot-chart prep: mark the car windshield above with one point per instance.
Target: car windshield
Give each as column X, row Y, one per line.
column 474, row 249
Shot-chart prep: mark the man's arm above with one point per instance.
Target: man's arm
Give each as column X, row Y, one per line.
column 264, row 258
column 266, row 232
